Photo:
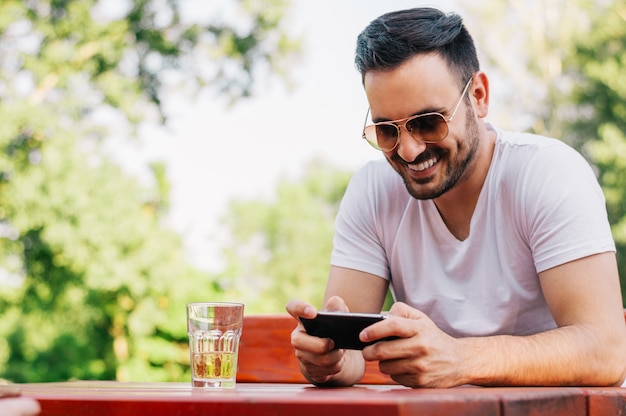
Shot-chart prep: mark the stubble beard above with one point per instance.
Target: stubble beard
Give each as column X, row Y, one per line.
column 458, row 168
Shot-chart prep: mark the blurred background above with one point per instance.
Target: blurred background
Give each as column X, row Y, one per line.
column 158, row 152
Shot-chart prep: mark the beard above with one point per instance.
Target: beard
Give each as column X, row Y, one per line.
column 458, row 168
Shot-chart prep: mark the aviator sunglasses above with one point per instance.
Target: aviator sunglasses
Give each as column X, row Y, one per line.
column 428, row 127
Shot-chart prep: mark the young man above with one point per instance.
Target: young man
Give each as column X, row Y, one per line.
column 496, row 244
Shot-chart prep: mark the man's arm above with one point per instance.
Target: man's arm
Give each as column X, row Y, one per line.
column 585, row 300
column 347, row 290
column 587, row 348
column 362, row 292
column 589, row 345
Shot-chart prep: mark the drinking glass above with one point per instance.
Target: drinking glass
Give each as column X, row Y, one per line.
column 214, row 331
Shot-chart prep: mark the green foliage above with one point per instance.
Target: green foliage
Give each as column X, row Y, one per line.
column 568, row 77
column 92, row 285
column 598, row 66
column 280, row 249
column 97, row 272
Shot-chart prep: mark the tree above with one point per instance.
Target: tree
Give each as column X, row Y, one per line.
column 280, row 249
column 93, row 285
column 523, row 44
column 597, row 67
column 564, row 75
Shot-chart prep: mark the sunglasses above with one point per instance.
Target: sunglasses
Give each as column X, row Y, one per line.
column 428, row 127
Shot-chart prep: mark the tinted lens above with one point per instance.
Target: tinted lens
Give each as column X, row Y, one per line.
column 382, row 136
column 386, row 136
column 428, row 127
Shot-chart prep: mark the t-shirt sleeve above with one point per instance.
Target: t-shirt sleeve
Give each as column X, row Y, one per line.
column 565, row 209
column 357, row 242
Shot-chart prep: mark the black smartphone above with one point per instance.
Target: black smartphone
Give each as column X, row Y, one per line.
column 342, row 327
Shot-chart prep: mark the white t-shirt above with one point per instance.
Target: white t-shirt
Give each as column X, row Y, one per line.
column 540, row 206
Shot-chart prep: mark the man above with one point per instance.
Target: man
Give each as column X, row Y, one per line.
column 496, row 244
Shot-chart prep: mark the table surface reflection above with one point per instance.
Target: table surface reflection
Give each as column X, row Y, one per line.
column 112, row 398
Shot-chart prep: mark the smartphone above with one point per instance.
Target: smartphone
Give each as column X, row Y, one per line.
column 342, row 327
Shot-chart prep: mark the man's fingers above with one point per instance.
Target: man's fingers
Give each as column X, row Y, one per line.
column 336, row 304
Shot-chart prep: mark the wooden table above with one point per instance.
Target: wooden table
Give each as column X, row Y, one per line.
column 95, row 398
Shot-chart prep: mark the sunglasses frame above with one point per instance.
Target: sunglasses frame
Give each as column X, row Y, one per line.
column 403, row 122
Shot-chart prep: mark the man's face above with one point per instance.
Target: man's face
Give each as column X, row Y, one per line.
column 422, row 85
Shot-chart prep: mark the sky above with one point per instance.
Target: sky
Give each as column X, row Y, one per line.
column 272, row 135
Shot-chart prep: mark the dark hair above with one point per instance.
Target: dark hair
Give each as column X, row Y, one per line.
column 393, row 38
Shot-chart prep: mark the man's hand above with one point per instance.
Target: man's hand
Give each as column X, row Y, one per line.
column 424, row 356
column 320, row 363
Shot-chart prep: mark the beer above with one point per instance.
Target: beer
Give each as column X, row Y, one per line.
column 214, row 333
column 213, row 366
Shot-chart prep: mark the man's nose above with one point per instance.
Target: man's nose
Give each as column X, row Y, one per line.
column 409, row 147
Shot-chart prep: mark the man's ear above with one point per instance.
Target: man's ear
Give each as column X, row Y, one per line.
column 479, row 92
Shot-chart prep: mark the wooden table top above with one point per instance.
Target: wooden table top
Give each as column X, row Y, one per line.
column 95, row 398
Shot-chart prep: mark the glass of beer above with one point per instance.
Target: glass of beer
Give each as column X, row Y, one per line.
column 214, row 331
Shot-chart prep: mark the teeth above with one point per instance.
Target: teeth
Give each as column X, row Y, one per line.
column 424, row 165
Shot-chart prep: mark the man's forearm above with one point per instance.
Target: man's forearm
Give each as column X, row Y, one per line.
column 574, row 355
